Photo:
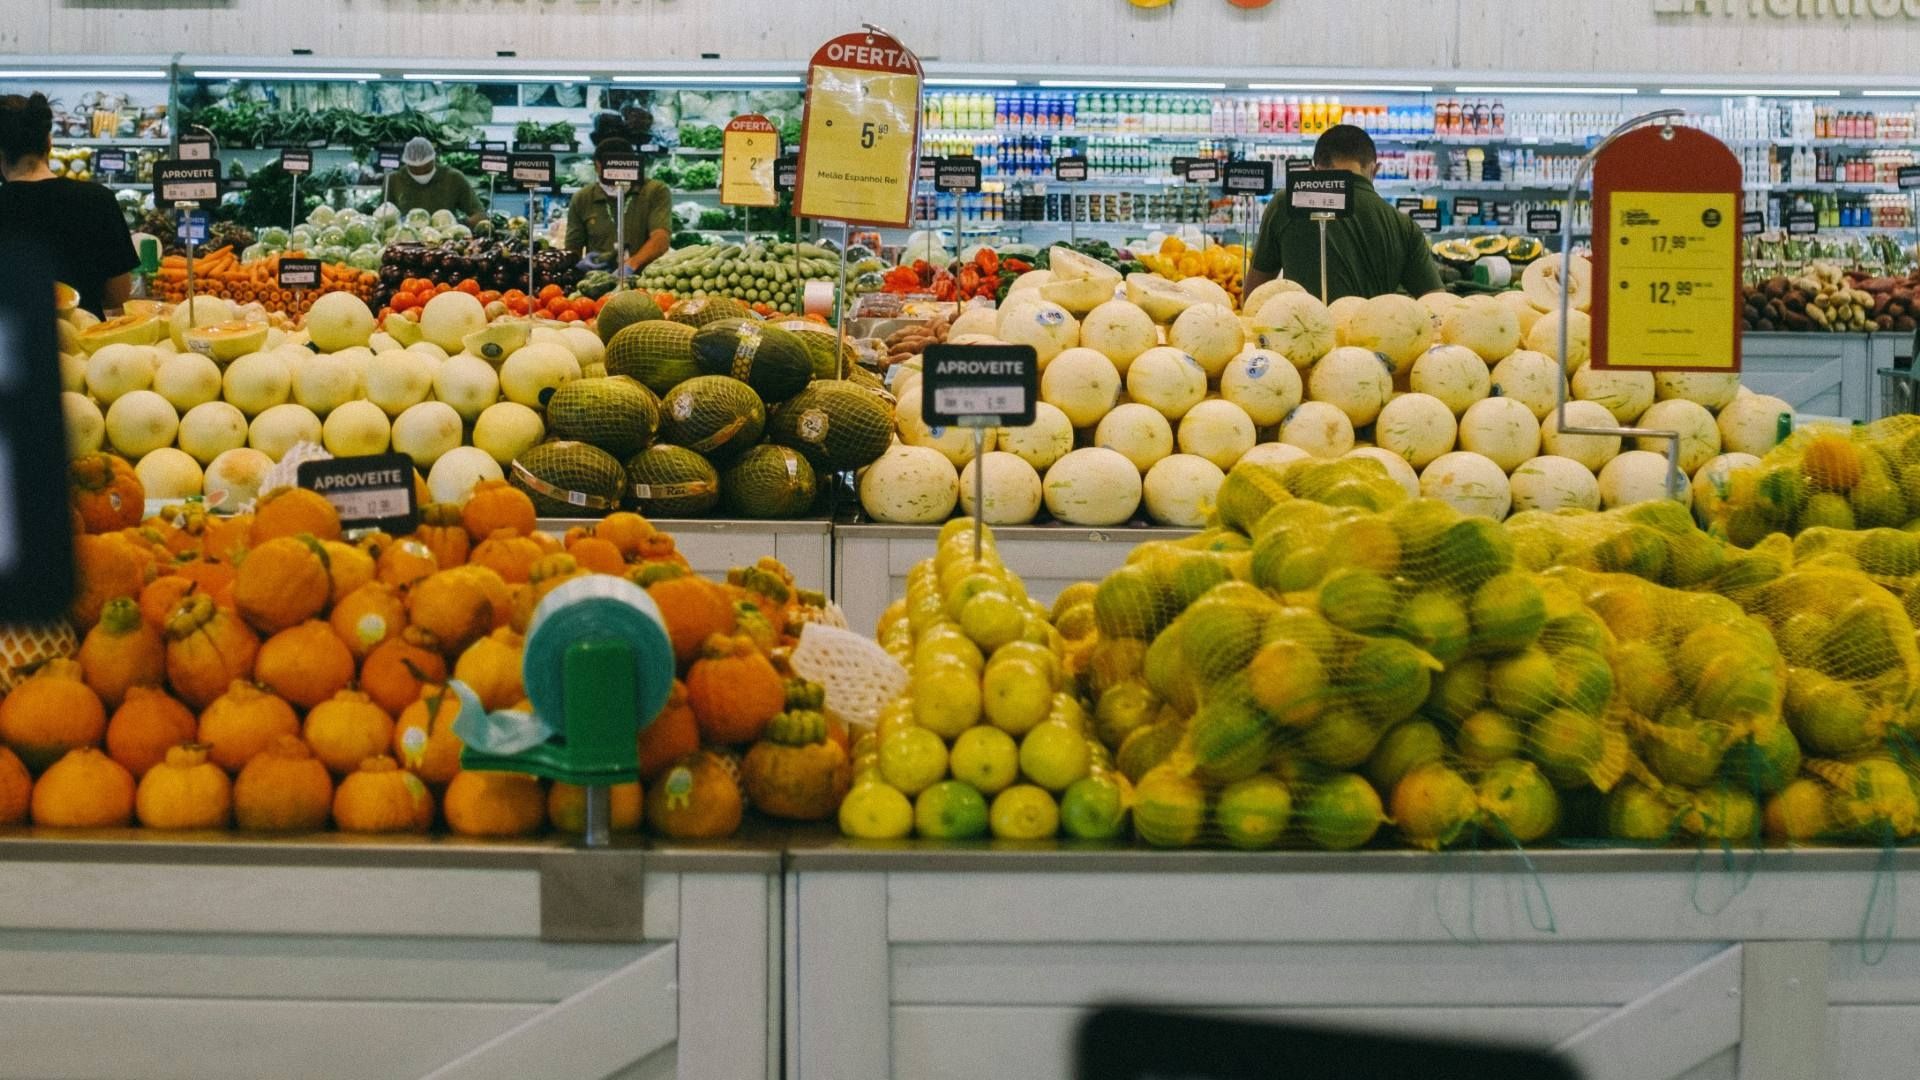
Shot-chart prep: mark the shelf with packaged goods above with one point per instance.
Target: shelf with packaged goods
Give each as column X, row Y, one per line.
column 112, row 140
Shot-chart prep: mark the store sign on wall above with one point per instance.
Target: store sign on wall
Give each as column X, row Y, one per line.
column 1837, row 10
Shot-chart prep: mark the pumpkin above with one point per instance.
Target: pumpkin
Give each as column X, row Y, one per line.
column 211, row 576
column 122, row 651
column 186, row 791
column 509, row 554
column 399, row 668
column 524, row 601
column 368, row 616
column 499, row 593
column 104, row 567
column 346, row 729
column 552, row 571
column 150, row 542
column 496, row 505
column 628, row 532
column 734, row 690
column 694, row 610
column 282, row 583
column 145, row 726
column 242, row 722
column 768, row 586
column 176, row 539
column 283, row 789
column 796, row 772
column 381, row 797
column 567, row 807
column 404, row 562
column 443, row 534
column 105, row 490
column 673, row 734
column 597, row 556
column 51, row 713
column 423, row 736
column 348, row 567
column 85, row 789
column 451, row 605
column 494, row 804
column 161, row 596
column 290, row 511
column 305, row 664
column 208, row 648
column 226, row 538
column 491, row 667
column 549, row 543
column 16, row 789
column 697, row 799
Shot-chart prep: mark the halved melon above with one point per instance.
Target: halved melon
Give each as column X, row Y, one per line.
column 65, row 297
column 226, row 340
column 123, row 330
column 143, row 307
column 202, row 311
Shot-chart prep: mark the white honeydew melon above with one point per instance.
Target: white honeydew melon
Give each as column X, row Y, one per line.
column 356, row 429
column 426, row 431
column 1252, row 301
column 975, row 320
column 1043, row 442
column 1029, row 281
column 282, row 428
column 1180, row 490
column 586, row 345
column 1210, row 333
column 233, row 479
column 68, row 336
column 1699, row 435
column 86, row 428
column 186, row 380
column 257, row 382
column 1541, row 281
column 1080, row 295
column 449, row 317
column 210, row 429
column 1263, row 383
column 203, row 311
column 400, row 380
column 1162, row 300
column 1639, row 476
column 1522, row 308
column 1205, row 290
column 1343, row 310
column 1502, row 430
column 953, row 443
column 1416, row 428
column 1626, row 394
column 339, row 320
column 323, row 383
column 380, row 341
column 1217, row 430
column 467, row 383
column 1593, row 451
column 976, row 339
column 1531, row 378
column 167, row 473
column 1042, row 324
column 507, row 429
column 1118, row 330
column 909, row 485
column 1167, row 379
column 537, row 334
column 1273, row 453
column 1094, row 487
column 453, row 476
column 1394, row 326
column 1553, row 483
column 1081, row 383
column 1355, row 380
column 1483, row 325
column 1751, row 424
column 140, row 423
column 1397, row 467
column 1318, row 428
column 114, row 370
column 1715, row 390
column 276, row 337
column 1136, row 432
column 1454, row 374
column 1071, row 265
column 1010, row 486
column 530, row 373
column 429, row 350
column 1469, row 483
column 1545, row 338
column 1437, row 304
column 1297, row 326
column 1714, row 480
column 73, row 371
column 403, row 327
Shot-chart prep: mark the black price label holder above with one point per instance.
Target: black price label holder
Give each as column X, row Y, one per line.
column 1803, row 223
column 1543, row 221
column 1466, row 208
column 1324, row 195
column 387, row 158
column 1071, row 169
column 1753, row 223
column 1428, row 220
column 185, row 181
column 786, row 172
column 927, row 169
column 110, row 161
column 957, row 174
column 1908, row 178
column 373, row 492
column 1248, row 178
column 1203, row 171
column 494, row 162
column 979, row 387
column 620, row 168
column 299, row 274
column 1409, row 203
column 531, row 171
column 296, row 162
column 1180, row 165
column 194, row 148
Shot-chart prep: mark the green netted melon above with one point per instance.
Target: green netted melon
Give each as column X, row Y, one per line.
column 698, row 311
column 713, row 415
column 616, row 414
column 836, row 424
column 767, row 358
column 657, row 353
column 824, row 347
column 622, row 310
column 565, row 478
column 769, row 482
column 868, row 378
column 667, row 481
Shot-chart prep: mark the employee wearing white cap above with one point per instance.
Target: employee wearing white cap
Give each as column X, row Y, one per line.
column 425, row 186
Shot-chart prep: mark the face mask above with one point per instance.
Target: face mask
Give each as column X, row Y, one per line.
column 423, row 178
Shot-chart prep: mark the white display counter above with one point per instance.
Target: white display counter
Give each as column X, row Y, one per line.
column 1817, row 374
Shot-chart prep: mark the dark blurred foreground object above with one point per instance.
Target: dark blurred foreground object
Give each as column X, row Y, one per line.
column 1122, row 1043
column 36, row 549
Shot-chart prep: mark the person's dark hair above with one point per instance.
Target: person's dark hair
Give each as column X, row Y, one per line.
column 607, row 147
column 606, row 126
column 1343, row 142
column 25, row 124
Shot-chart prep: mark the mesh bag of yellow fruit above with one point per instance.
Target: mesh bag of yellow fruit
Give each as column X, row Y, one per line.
column 1656, row 541
column 1858, row 478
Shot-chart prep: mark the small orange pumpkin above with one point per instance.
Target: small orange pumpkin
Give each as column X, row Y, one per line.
column 399, row 668
column 499, row 593
column 145, row 726
column 122, row 651
column 161, row 595
column 423, row 736
column 106, row 491
column 673, row 734
column 105, row 566
column 50, row 713
column 304, row 664
column 552, row 571
column 597, row 556
column 186, row 791
column 697, row 799
column 494, row 804
column 496, row 505
column 452, row 606
column 734, row 690
column 225, row 537
column 290, row 511
column 444, row 535
column 283, row 583
column 283, row 789
column 694, row 610
column 628, row 532
column 211, row 575
column 567, row 807
column 347, row 729
column 507, row 553
column 491, row 666
column 349, row 568
column 242, row 722
column 796, row 772
column 380, row 797
column 368, row 616
column 208, row 648
column 404, row 562
column 176, row 540
column 85, row 789
column 16, row 789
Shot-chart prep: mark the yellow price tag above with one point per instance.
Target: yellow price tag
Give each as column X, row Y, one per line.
column 748, row 149
column 859, row 142
column 1672, row 280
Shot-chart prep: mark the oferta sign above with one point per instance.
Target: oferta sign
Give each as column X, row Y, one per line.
column 1807, row 10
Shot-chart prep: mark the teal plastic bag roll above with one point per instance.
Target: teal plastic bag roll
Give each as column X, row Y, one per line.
column 597, row 607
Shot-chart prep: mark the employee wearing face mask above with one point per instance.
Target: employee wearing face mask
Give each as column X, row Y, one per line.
column 424, row 185
column 590, row 218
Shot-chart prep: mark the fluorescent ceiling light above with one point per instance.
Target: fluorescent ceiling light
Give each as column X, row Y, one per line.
column 72, row 73
column 1391, row 88
column 1113, row 84
column 1545, row 90
column 973, row 82
column 1737, row 91
column 1890, row 93
column 715, row 80
column 292, row 76
column 469, row 77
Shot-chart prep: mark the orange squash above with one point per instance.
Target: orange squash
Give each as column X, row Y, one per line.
column 380, row 797
column 567, row 807
column 496, row 505
column 105, row 566
column 290, row 511
column 694, row 610
column 225, row 537
column 368, row 616
column 404, row 562
column 242, row 722
column 106, row 492
column 597, row 556
column 498, row 804
column 491, row 666
column 796, row 772
column 347, row 729
column 626, row 531
column 211, row 575
column 50, row 714
column 698, row 799
column 282, row 583
column 399, row 668
column 16, row 789
column 176, row 539
column 161, row 595
column 451, row 605
column 443, row 534
column 499, row 593
column 507, row 553
column 305, row 664
column 552, row 571
column 423, row 737
column 673, row 734
column 283, row 789
column 208, row 648
column 85, row 789
column 186, row 791
column 348, row 567
column 145, row 726
column 122, row 651
column 734, row 691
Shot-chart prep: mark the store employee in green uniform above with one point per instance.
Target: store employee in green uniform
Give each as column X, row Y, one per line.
column 424, row 185
column 590, row 218
column 1375, row 250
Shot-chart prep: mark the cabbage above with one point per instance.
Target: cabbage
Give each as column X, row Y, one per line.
column 301, row 237
column 441, row 218
column 431, row 236
column 360, row 232
column 332, row 236
column 275, row 237
column 403, row 236
column 418, row 219
column 365, row 258
column 334, row 254
column 459, row 232
column 322, row 215
column 253, row 253
column 387, row 215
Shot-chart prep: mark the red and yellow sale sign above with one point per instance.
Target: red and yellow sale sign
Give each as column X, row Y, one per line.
column 860, row 138
column 749, row 147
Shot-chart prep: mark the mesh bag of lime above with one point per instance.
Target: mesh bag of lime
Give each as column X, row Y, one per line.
column 1862, row 477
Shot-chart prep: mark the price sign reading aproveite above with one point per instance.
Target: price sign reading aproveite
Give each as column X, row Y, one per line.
column 1071, row 169
column 1409, row 203
column 979, row 386
column 1326, row 192
column 1803, row 223
column 749, row 147
column 530, row 170
column 957, row 174
column 193, row 227
column 861, row 132
column 110, row 161
column 1203, row 170
column 1466, row 208
column 786, row 172
column 1753, row 223
column 494, row 162
column 1908, row 177
column 1180, row 165
column 185, row 181
column 619, row 168
column 1543, row 221
column 386, row 158
column 373, row 492
column 1428, row 220
column 299, row 273
column 1249, row 178
column 297, row 162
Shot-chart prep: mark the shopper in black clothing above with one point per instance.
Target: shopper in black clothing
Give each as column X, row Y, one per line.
column 75, row 224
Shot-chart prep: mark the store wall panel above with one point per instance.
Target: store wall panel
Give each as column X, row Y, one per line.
column 1864, row 1042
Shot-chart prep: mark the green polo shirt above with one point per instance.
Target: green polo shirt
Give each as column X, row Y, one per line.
column 448, row 190
column 590, row 218
column 1372, row 251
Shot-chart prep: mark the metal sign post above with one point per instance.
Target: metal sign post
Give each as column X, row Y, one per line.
column 1246, row 181
column 1326, row 195
column 295, row 163
column 622, row 171
column 1071, row 169
column 958, row 176
column 979, row 387
column 534, row 172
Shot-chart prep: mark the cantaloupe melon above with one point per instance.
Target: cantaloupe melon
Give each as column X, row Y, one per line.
column 909, row 485
column 234, row 478
column 1531, row 378
column 1093, row 487
column 1042, row 442
column 1751, row 424
column 1318, row 428
column 1297, row 326
column 323, row 383
column 118, row 369
column 1137, row 432
column 86, row 428
column 1216, row 430
column 457, row 471
column 339, row 320
column 1180, row 490
column 507, row 429
column 257, row 382
column 1392, row 325
column 448, row 318
column 1502, row 430
column 1397, row 467
column 1011, row 488
column 1263, row 383
column 426, row 431
column 141, row 422
column 1639, row 476
column 1167, row 379
column 1468, row 482
column 1416, row 428
column 210, row 429
column 1592, row 451
column 467, row 383
column 398, row 381
column 356, row 429
column 1626, row 394
column 1484, row 325
column 1454, row 374
column 1355, row 380
column 283, row 427
column 1699, row 435
column 1081, row 383
column 1208, row 332
column 186, row 380
column 1554, row 483
column 167, row 473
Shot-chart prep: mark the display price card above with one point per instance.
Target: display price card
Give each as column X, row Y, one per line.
column 1322, row 192
column 786, row 172
column 195, row 148
column 1753, row 223
column 979, row 386
column 619, row 168
column 387, row 158
column 494, row 162
column 1803, row 223
column 1070, row 169
column 928, row 168
column 193, row 227
column 957, row 174
column 299, row 273
column 861, row 131
column 1672, row 278
column 1428, row 220
column 297, row 162
column 530, row 170
column 748, row 149
column 1203, row 170
column 1466, row 208
column 1248, row 178
column 1180, row 165
column 1409, row 203
column 185, row 181
column 110, row 161
column 1543, row 221
column 373, row 492
column 1908, row 177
